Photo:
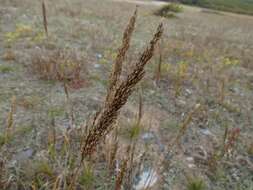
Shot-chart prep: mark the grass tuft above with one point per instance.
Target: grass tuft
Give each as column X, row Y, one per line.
column 196, row 184
column 61, row 65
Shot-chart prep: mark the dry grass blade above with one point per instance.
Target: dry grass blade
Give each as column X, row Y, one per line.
column 140, row 109
column 115, row 75
column 186, row 123
column 108, row 114
column 1, row 173
column 44, row 12
column 114, row 150
column 159, row 66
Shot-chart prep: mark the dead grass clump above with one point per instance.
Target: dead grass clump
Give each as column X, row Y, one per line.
column 9, row 56
column 61, row 65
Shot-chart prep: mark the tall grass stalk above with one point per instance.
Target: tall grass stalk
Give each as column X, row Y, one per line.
column 159, row 66
column 186, row 123
column 10, row 118
column 44, row 14
column 103, row 122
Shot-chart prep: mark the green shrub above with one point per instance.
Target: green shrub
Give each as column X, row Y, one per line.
column 169, row 10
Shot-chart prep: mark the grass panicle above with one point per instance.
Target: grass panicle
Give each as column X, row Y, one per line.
column 106, row 117
column 117, row 69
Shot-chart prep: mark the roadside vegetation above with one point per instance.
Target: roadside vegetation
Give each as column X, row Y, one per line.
column 236, row 6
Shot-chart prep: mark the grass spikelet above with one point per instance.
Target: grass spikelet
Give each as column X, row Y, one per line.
column 117, row 69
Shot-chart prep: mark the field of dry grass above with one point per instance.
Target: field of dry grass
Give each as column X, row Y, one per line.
column 185, row 122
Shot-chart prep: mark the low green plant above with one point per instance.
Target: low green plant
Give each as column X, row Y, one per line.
column 196, row 184
column 21, row 31
column 87, row 177
column 5, row 69
column 56, row 111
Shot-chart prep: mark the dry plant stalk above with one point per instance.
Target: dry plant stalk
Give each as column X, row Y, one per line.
column 1, row 173
column 186, row 123
column 66, row 91
column 120, row 177
column 69, row 106
column 118, row 94
column 232, row 138
column 140, row 109
column 159, row 66
column 44, row 13
column 133, row 144
column 113, row 151
column 52, row 134
column 56, row 183
column 225, row 136
column 9, row 126
column 222, row 91
column 117, row 69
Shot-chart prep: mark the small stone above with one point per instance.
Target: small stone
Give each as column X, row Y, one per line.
column 96, row 66
column 190, row 159
column 98, row 56
column 24, row 155
column 191, row 165
column 147, row 136
column 206, row 132
column 148, row 178
column 188, row 91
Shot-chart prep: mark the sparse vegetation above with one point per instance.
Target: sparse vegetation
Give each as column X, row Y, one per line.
column 78, row 113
